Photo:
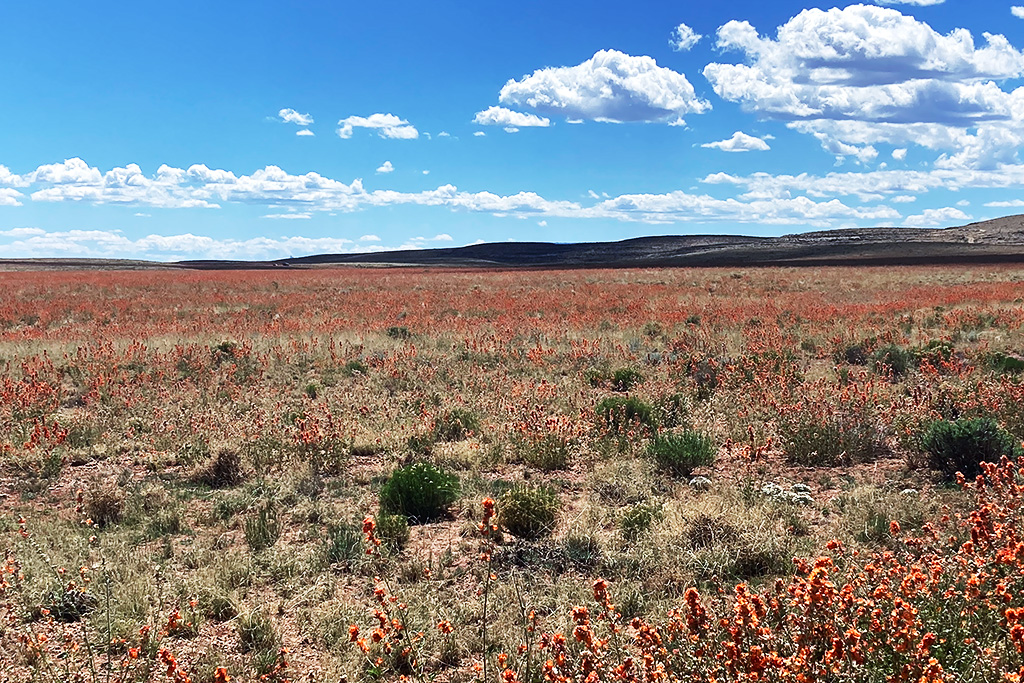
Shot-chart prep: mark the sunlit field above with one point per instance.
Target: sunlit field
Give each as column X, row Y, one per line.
column 523, row 476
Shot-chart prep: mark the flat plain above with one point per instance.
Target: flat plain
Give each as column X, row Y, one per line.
column 523, row 475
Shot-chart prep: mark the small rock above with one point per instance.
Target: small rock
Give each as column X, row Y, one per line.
column 700, row 483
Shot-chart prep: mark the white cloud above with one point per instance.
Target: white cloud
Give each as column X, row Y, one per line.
column 10, row 179
column 386, row 167
column 292, row 116
column 500, row 116
column 22, row 232
column 139, row 214
column 511, row 129
column 289, row 216
column 113, row 244
column 863, row 75
column 919, row 3
column 767, row 200
column 10, row 197
column 610, row 86
column 740, row 142
column 305, row 132
column 931, row 218
column 479, row 134
column 444, row 134
column 903, row 199
column 683, row 38
column 386, row 125
column 1017, row 11
column 899, row 154
column 867, row 185
column 369, row 238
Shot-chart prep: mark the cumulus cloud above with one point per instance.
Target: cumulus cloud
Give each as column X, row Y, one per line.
column 291, row 196
column 114, row 244
column 305, row 132
column 386, row 125
column 479, row 134
column 1017, row 11
column 500, row 116
column 10, row 197
column 900, row 185
column 739, row 142
column 937, row 218
column 610, row 86
column 292, row 116
column 11, row 179
column 683, row 38
column 863, row 75
column 386, row 167
column 369, row 238
column 899, row 154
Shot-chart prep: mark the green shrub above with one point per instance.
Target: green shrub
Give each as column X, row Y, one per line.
column 621, row 380
column 528, row 512
column 1007, row 364
column 344, row 544
column 419, row 491
column 680, row 454
column 619, row 414
column 639, row 519
column 961, row 445
column 354, row 367
column 548, row 453
column 393, row 531
column 893, row 360
column 854, row 354
column 398, row 332
column 935, row 352
column 455, row 425
column 256, row 633
column 625, row 379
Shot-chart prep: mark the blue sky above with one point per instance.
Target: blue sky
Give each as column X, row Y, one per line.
column 269, row 129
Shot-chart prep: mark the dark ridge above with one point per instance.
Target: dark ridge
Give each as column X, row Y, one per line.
column 996, row 241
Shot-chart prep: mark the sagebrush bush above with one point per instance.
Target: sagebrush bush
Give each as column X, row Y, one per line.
column 619, row 414
column 681, row 453
column 528, row 512
column 961, row 445
column 420, row 491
